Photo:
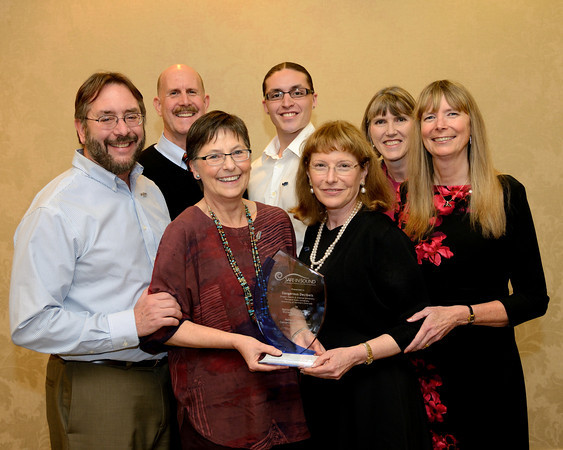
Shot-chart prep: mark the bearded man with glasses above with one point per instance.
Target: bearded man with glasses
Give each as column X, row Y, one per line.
column 83, row 259
column 289, row 99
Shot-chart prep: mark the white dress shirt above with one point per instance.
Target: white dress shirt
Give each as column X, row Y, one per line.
column 84, row 253
column 272, row 180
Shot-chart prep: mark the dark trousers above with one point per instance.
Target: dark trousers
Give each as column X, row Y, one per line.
column 91, row 406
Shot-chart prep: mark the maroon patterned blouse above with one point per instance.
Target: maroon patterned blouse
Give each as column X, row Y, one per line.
column 225, row 402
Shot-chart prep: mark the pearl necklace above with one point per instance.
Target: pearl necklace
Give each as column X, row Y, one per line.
column 233, row 262
column 316, row 264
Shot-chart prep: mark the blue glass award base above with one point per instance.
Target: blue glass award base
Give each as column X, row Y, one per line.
column 290, row 304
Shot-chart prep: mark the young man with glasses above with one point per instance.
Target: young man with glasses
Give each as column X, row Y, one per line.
column 180, row 101
column 83, row 259
column 289, row 99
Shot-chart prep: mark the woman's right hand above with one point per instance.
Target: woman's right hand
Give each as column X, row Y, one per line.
column 252, row 350
column 438, row 322
column 334, row 363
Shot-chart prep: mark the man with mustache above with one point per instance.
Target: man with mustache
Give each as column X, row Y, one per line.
column 180, row 100
column 83, row 259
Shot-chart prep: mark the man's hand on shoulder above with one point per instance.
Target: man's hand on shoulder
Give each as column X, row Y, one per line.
column 154, row 311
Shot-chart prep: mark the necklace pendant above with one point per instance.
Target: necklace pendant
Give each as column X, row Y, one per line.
column 447, row 204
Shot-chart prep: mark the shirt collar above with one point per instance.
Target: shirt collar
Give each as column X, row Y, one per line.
column 171, row 151
column 105, row 177
column 296, row 146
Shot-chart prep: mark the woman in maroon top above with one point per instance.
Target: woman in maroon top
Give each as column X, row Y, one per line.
column 209, row 259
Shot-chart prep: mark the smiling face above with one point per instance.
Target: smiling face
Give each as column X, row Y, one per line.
column 115, row 150
column 180, row 101
column 445, row 132
column 289, row 115
column 390, row 136
column 338, row 192
column 225, row 181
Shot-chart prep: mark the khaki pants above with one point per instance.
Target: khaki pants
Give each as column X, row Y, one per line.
column 91, row 406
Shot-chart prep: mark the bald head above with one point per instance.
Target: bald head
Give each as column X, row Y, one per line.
column 178, row 68
column 180, row 100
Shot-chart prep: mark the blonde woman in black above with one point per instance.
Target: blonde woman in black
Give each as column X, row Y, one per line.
column 474, row 235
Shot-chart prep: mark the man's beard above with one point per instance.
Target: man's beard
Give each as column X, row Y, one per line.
column 101, row 155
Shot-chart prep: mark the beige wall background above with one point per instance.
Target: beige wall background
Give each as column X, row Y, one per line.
column 507, row 52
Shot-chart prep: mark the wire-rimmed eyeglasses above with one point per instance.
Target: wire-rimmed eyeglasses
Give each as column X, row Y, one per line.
column 342, row 168
column 215, row 159
column 110, row 121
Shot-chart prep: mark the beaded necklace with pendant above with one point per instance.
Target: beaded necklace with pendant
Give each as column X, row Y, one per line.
column 448, row 203
column 232, row 261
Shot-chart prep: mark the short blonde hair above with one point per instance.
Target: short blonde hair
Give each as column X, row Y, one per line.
column 344, row 137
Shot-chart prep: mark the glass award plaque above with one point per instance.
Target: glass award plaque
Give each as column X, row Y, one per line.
column 289, row 304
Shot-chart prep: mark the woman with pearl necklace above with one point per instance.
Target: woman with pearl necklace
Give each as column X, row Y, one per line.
column 363, row 381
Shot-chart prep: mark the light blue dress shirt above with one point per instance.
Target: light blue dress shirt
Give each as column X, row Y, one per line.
column 84, row 253
column 171, row 151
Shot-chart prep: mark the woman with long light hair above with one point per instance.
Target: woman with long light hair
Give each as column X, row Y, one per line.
column 387, row 125
column 474, row 235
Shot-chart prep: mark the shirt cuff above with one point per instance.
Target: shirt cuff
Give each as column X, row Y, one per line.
column 123, row 331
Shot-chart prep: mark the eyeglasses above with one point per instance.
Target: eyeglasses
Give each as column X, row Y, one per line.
column 216, row 159
column 342, row 168
column 110, row 121
column 276, row 96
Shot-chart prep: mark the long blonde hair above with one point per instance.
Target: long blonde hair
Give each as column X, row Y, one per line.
column 487, row 203
column 344, row 137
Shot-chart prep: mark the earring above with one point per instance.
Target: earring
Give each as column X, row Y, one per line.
column 363, row 189
column 312, row 191
column 469, row 139
column 197, row 176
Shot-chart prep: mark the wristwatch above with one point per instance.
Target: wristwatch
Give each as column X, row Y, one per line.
column 471, row 317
